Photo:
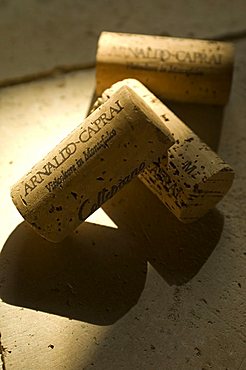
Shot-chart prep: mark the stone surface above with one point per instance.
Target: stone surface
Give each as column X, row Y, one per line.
column 145, row 292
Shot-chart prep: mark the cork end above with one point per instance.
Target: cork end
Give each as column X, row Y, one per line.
column 209, row 194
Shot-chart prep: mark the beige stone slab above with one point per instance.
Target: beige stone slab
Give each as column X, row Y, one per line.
column 150, row 294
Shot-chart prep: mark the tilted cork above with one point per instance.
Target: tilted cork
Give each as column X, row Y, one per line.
column 177, row 69
column 192, row 178
column 113, row 145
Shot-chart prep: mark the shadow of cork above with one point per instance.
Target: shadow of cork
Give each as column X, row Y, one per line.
column 95, row 276
column 176, row 250
column 99, row 273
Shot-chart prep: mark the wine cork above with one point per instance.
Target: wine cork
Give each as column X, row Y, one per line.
column 185, row 70
column 192, row 178
column 113, row 145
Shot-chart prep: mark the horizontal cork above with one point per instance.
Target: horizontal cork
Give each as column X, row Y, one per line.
column 112, row 146
column 185, row 70
column 192, row 179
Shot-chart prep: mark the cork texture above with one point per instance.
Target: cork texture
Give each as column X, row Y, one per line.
column 192, row 179
column 113, row 145
column 177, row 69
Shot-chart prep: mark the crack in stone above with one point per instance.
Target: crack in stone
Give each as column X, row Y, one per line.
column 2, row 354
column 56, row 71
